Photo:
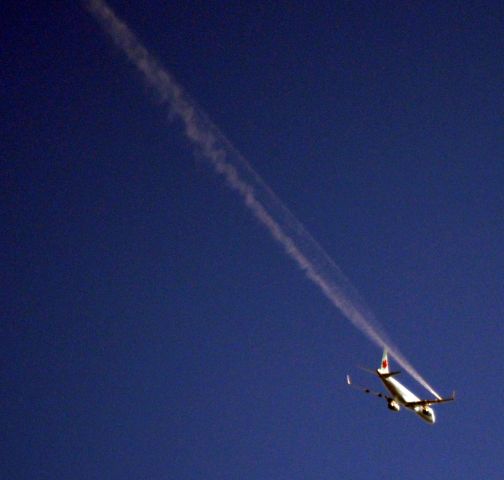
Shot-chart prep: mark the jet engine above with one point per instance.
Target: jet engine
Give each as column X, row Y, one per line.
column 393, row 405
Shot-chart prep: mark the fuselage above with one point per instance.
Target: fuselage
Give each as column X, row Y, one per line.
column 402, row 396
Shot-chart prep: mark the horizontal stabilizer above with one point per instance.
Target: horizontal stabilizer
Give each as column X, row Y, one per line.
column 369, row 370
column 389, row 374
column 379, row 373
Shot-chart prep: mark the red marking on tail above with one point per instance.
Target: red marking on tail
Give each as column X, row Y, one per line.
column 384, row 363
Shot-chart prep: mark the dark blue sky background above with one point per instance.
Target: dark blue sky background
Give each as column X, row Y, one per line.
column 151, row 328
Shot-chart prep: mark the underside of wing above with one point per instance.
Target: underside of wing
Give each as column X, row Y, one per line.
column 430, row 402
column 367, row 390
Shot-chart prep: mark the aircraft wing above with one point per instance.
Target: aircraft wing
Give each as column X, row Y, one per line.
column 430, row 402
column 367, row 390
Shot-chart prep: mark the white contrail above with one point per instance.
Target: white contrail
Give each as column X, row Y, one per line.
column 258, row 197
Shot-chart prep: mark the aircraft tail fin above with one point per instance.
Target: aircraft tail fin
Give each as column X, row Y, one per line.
column 384, row 366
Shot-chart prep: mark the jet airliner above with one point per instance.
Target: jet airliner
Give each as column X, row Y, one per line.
column 399, row 396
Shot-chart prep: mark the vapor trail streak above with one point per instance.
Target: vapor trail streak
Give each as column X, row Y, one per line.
column 258, row 197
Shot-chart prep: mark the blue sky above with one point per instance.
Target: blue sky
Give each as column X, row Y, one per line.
column 153, row 329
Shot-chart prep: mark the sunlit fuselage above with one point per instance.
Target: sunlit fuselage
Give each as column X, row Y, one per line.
column 402, row 396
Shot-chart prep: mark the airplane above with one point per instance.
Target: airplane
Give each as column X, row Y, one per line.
column 399, row 396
